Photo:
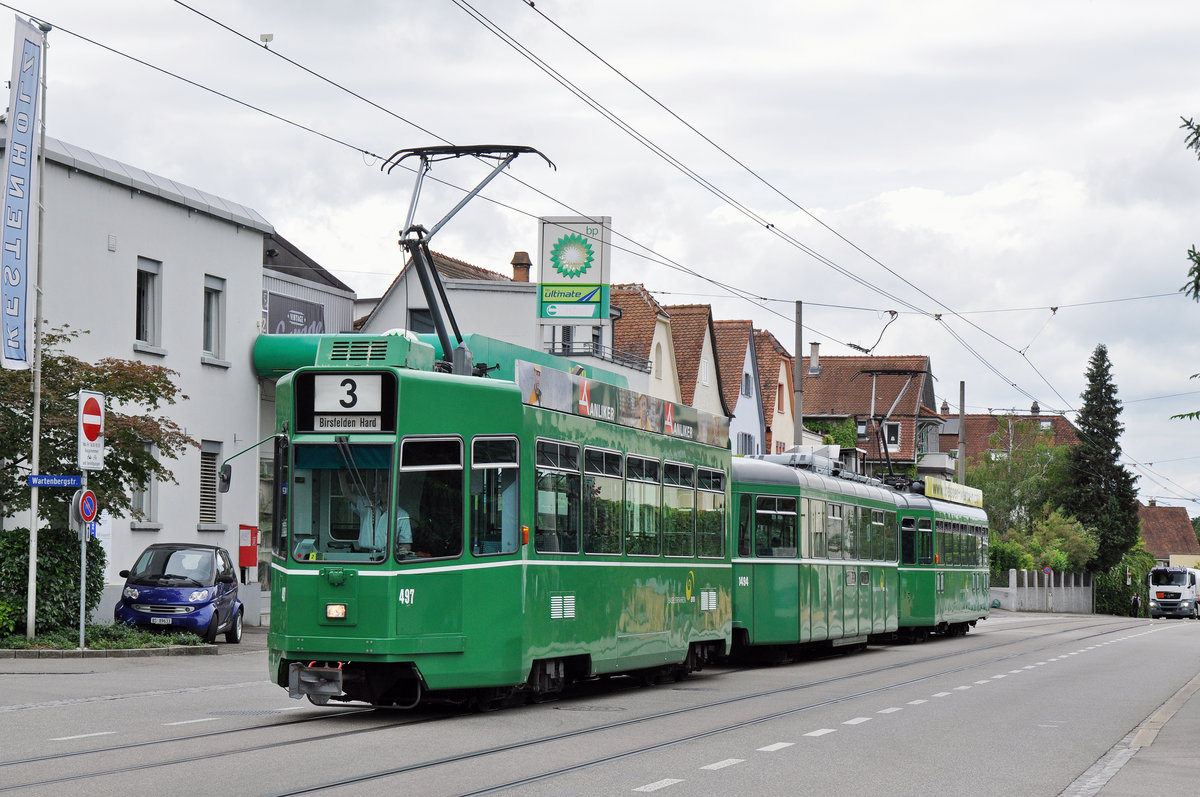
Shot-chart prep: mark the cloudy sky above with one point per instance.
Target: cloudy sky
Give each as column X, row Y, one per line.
column 970, row 165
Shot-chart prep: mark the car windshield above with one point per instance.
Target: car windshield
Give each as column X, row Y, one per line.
column 1168, row 578
column 175, row 567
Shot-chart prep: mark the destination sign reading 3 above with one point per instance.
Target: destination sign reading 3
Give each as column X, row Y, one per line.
column 347, row 402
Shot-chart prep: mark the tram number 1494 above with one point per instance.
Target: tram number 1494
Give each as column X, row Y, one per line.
column 408, row 596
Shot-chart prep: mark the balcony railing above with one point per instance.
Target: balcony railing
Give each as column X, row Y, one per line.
column 589, row 349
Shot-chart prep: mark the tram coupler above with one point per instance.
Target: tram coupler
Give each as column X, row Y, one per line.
column 313, row 681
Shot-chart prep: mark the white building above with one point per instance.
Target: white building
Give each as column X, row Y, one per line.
column 166, row 274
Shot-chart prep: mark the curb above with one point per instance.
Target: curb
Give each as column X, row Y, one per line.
column 100, row 653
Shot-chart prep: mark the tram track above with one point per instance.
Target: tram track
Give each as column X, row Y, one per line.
column 1107, row 627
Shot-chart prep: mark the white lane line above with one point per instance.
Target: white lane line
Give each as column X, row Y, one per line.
column 998, row 677
column 891, row 710
column 728, row 762
column 961, row 688
column 771, row 748
column 82, row 736
column 985, row 681
column 941, row 694
column 190, row 722
column 821, row 732
column 917, row 702
column 659, row 784
column 857, row 721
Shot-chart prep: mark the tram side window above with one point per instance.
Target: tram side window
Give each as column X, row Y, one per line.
column 679, row 502
column 925, row 541
column 430, row 491
column 643, row 494
column 940, row 537
column 710, row 514
column 908, row 541
column 775, row 526
column 495, row 472
column 340, row 502
column 745, row 528
column 879, row 534
column 850, row 534
column 816, row 513
column 834, row 532
column 601, row 501
column 558, row 486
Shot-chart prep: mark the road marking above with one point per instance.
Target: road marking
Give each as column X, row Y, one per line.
column 728, row 762
column 771, row 748
column 961, row 688
column 189, row 722
column 821, row 732
column 941, row 694
column 82, row 736
column 857, row 721
column 891, row 710
column 659, row 784
column 984, row 681
column 917, row 702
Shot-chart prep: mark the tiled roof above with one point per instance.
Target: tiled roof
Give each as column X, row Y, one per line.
column 689, row 326
column 733, row 340
column 771, row 356
column 633, row 332
column 1167, row 530
column 980, row 428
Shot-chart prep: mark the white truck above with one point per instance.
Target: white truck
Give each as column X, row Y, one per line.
column 1173, row 592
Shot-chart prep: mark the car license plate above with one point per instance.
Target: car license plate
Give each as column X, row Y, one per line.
column 160, row 620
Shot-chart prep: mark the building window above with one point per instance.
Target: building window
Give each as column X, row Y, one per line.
column 210, row 455
column 148, row 321
column 141, row 499
column 780, row 407
column 703, row 371
column 420, row 320
column 861, row 428
column 745, row 443
column 891, row 433
column 214, row 316
column 747, row 390
column 658, row 358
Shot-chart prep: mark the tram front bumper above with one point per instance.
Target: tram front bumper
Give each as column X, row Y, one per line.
column 312, row 681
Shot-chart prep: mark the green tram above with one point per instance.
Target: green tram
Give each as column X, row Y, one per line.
column 944, row 572
column 816, row 559
column 458, row 537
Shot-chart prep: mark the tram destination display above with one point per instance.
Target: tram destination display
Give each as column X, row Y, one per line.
column 346, row 403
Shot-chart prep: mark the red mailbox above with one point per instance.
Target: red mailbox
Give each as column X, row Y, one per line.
column 248, row 546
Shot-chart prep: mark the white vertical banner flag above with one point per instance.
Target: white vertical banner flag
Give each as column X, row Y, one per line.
column 21, row 198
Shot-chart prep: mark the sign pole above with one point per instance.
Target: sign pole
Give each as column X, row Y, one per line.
column 83, row 540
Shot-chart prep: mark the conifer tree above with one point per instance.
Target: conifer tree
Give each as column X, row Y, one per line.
column 1099, row 491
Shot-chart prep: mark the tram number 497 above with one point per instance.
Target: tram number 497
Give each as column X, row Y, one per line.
column 407, row 596
column 743, row 581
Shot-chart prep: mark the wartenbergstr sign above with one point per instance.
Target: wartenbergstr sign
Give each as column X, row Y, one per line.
column 573, row 270
column 21, row 198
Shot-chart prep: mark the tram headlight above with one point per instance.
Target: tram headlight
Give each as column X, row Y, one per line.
column 335, row 611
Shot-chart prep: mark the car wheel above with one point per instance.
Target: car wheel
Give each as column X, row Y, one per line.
column 234, row 634
column 210, row 635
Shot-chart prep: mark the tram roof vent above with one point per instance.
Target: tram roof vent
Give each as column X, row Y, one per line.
column 374, row 351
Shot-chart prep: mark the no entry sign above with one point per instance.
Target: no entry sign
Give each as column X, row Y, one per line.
column 91, row 430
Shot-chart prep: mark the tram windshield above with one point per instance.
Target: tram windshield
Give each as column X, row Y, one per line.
column 341, row 502
column 1169, row 578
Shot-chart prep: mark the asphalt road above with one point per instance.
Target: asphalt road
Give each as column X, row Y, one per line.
column 1026, row 704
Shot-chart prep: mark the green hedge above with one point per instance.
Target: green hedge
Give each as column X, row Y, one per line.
column 57, row 578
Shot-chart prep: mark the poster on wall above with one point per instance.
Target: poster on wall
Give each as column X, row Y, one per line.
column 287, row 315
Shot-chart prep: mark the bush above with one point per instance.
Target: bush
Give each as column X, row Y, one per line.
column 108, row 636
column 1113, row 595
column 57, row 578
column 8, row 619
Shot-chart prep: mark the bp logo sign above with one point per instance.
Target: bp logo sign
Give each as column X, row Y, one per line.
column 571, row 255
column 573, row 270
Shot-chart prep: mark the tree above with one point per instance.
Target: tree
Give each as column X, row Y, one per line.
column 843, row 433
column 1099, row 490
column 1018, row 474
column 134, row 392
column 1192, row 286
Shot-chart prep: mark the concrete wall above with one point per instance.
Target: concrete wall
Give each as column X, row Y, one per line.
column 1034, row 591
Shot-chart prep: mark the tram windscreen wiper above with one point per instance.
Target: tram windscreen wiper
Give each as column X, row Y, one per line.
column 343, row 447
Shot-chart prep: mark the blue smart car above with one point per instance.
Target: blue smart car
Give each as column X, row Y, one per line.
column 183, row 587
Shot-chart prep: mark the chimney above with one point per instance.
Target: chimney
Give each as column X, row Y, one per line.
column 945, row 407
column 1035, row 409
column 1153, row 502
column 814, row 359
column 521, row 264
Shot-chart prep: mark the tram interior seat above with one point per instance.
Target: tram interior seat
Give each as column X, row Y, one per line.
column 548, row 541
